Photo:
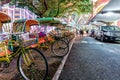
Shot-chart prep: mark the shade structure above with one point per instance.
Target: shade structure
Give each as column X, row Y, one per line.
column 49, row 20
column 28, row 23
column 45, row 19
column 4, row 17
column 109, row 13
column 114, row 5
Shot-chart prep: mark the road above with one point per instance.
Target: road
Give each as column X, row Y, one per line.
column 90, row 59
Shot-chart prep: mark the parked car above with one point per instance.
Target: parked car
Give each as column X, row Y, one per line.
column 110, row 33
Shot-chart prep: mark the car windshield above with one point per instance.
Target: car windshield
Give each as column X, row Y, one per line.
column 110, row 28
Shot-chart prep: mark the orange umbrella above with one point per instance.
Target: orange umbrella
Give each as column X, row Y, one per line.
column 29, row 23
column 4, row 18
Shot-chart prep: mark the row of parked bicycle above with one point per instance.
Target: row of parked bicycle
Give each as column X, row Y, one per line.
column 25, row 43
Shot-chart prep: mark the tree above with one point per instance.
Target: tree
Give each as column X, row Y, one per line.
column 55, row 8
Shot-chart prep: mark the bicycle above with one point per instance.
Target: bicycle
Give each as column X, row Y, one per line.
column 45, row 43
column 31, row 63
column 54, row 43
column 67, row 35
column 58, row 46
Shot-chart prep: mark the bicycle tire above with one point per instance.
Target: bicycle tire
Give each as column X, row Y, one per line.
column 60, row 48
column 66, row 39
column 37, row 69
column 71, row 37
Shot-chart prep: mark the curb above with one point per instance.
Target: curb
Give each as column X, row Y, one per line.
column 60, row 68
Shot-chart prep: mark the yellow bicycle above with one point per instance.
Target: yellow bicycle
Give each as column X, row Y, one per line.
column 31, row 63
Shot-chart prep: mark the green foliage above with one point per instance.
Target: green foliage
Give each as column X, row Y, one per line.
column 51, row 8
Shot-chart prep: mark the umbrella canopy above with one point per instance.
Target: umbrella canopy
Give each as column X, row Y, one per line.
column 4, row 17
column 28, row 23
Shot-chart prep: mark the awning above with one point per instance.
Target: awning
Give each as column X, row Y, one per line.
column 44, row 19
column 47, row 20
column 110, row 13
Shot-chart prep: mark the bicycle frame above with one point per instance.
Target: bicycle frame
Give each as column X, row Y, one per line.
column 9, row 55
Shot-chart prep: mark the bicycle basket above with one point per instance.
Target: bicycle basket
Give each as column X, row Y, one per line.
column 30, row 42
column 27, row 41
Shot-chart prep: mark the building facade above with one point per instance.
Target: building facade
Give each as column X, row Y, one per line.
column 18, row 13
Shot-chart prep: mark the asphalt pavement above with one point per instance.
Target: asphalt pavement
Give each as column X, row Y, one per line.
column 90, row 59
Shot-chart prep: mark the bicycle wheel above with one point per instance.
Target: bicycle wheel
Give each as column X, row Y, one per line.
column 71, row 37
column 66, row 40
column 32, row 65
column 60, row 48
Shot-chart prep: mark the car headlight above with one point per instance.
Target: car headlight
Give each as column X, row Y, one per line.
column 108, row 33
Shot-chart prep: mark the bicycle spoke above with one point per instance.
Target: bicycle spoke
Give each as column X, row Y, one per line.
column 60, row 48
column 37, row 69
